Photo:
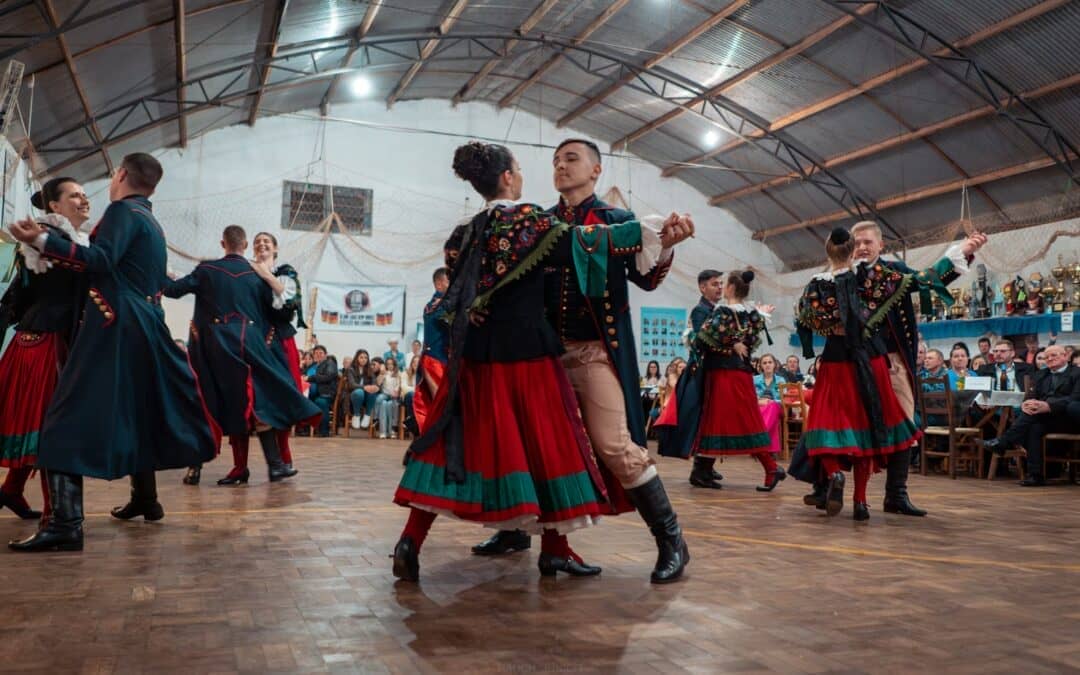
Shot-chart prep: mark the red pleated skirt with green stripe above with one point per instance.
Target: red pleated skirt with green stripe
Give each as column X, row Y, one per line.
column 528, row 461
column 731, row 422
column 838, row 423
column 28, row 375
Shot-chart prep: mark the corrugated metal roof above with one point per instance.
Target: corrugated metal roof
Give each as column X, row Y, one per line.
column 1034, row 53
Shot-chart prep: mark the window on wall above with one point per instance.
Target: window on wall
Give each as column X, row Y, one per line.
column 307, row 206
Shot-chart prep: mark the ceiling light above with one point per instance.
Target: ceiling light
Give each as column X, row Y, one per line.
column 711, row 138
column 361, row 86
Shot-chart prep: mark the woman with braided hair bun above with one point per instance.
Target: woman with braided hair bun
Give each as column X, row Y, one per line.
column 504, row 444
column 856, row 419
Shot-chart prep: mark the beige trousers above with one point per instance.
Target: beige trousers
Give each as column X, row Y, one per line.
column 603, row 410
column 901, row 385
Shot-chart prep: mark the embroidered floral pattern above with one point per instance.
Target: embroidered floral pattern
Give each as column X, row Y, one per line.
column 511, row 235
column 725, row 328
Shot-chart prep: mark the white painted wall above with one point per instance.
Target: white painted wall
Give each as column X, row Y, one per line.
column 235, row 175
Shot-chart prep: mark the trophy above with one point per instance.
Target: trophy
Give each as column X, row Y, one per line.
column 958, row 310
column 1058, row 293
column 980, row 291
column 1034, row 294
column 1008, row 292
column 1074, row 273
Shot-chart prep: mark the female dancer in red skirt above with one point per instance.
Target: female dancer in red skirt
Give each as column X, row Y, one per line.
column 856, row 417
column 731, row 422
column 506, row 446
column 43, row 302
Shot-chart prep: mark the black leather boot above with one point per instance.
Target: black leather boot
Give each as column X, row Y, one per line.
column 702, row 473
column 63, row 531
column 834, row 495
column 862, row 511
column 193, row 475
column 896, row 495
column 144, row 500
column 652, row 503
column 817, row 497
column 504, row 541
column 278, row 469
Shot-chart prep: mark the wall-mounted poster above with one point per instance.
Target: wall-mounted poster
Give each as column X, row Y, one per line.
column 358, row 308
column 662, row 334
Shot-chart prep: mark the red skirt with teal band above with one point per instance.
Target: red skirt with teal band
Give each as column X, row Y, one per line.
column 838, row 423
column 528, row 462
column 731, row 422
column 28, row 371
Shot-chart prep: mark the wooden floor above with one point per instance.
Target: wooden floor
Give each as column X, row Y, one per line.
column 294, row 577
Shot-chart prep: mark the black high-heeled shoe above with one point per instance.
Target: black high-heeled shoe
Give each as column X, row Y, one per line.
column 193, row 475
column 406, row 560
column 551, row 564
column 18, row 506
column 862, row 511
column 233, row 478
column 773, row 480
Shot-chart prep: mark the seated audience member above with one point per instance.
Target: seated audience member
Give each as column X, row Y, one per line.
column 365, row 396
column 408, row 386
column 960, row 345
column 416, row 349
column 389, row 398
column 790, row 371
column 307, row 369
column 393, row 352
column 977, row 363
column 1074, row 357
column 768, row 392
column 933, row 367
column 1008, row 374
column 1054, row 407
column 958, row 365
column 755, row 364
column 346, row 362
column 1031, row 347
column 920, row 356
column 985, row 344
column 323, row 386
column 650, row 389
column 1040, row 358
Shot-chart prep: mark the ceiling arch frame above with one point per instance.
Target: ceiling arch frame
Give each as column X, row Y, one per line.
column 940, row 54
column 657, row 82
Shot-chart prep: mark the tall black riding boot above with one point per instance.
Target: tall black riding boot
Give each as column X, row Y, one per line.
column 702, row 475
column 896, row 495
column 652, row 503
column 144, row 500
column 63, row 531
column 278, row 469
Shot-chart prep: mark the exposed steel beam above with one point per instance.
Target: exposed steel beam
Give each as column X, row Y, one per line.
column 666, row 53
column 917, row 195
column 444, row 27
column 781, row 56
column 276, row 23
column 95, row 132
column 557, row 58
column 361, row 33
column 179, row 32
column 875, row 82
column 895, row 141
column 135, row 33
column 526, row 26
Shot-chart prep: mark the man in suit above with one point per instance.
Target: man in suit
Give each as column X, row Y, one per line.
column 711, row 285
column 247, row 386
column 1054, row 407
column 1008, row 373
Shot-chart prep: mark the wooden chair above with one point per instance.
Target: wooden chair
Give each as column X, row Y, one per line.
column 962, row 441
column 793, row 413
column 1071, row 458
column 342, row 405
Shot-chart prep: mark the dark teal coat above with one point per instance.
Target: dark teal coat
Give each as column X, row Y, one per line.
column 127, row 400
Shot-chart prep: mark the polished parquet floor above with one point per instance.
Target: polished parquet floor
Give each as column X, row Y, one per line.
column 294, row 577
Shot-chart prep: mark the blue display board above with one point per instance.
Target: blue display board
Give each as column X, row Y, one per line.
column 969, row 328
column 661, row 336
